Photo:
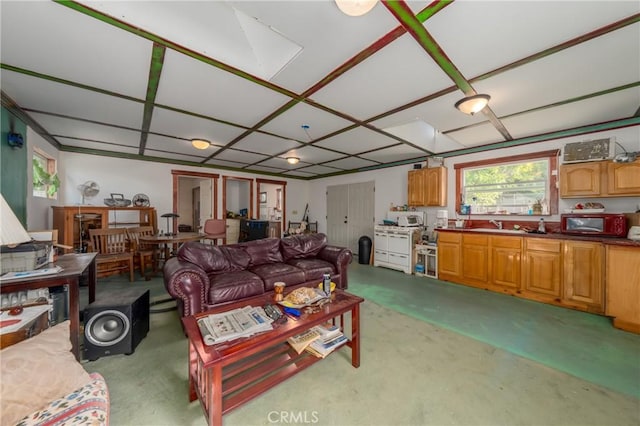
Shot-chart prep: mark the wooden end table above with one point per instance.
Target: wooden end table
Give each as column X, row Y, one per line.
column 227, row 375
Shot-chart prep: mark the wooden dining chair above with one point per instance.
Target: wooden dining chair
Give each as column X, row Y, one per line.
column 143, row 254
column 214, row 230
column 114, row 252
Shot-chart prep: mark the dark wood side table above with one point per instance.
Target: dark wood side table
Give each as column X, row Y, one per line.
column 73, row 267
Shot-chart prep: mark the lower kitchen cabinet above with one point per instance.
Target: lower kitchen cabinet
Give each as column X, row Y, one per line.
column 450, row 256
column 475, row 260
column 504, row 262
column 542, row 269
column 583, row 278
column 623, row 287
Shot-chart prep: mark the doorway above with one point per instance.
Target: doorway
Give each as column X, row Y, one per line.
column 350, row 213
column 194, row 198
column 271, row 199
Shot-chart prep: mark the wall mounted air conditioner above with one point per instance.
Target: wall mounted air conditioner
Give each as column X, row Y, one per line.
column 595, row 150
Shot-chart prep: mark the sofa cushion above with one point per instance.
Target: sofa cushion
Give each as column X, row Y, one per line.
column 313, row 268
column 266, row 250
column 273, row 272
column 88, row 405
column 233, row 286
column 37, row 371
column 300, row 246
column 216, row 259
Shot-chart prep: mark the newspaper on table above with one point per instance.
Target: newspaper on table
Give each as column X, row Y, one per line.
column 240, row 322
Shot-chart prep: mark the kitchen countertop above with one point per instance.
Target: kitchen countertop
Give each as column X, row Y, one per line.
column 554, row 235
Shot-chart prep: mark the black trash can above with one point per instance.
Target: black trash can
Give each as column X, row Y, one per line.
column 364, row 250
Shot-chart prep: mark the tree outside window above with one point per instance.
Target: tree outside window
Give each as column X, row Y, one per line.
column 45, row 179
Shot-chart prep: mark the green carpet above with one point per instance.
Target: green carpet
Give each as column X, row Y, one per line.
column 578, row 343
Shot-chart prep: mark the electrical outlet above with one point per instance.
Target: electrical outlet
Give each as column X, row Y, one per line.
column 294, row 212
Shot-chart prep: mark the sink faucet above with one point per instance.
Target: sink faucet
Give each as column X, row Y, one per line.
column 497, row 223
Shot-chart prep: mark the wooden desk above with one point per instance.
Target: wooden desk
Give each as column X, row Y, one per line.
column 73, row 267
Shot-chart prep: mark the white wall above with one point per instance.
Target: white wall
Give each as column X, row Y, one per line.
column 154, row 179
column 39, row 212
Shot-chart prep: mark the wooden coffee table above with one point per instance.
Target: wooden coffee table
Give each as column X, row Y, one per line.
column 227, row 375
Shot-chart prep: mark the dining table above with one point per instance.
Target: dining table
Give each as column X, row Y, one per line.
column 166, row 245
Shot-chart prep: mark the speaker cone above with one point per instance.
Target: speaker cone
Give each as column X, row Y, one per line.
column 107, row 328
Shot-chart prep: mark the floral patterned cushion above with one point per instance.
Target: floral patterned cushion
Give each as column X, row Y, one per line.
column 88, row 405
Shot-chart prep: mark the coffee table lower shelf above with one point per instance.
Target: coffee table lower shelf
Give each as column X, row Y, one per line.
column 246, row 379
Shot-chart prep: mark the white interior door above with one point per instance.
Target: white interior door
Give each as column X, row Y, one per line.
column 350, row 213
column 337, row 215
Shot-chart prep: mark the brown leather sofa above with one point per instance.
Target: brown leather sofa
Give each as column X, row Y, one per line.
column 202, row 276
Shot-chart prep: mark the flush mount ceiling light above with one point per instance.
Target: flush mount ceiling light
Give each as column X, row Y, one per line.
column 355, row 7
column 200, row 143
column 472, row 104
column 293, row 160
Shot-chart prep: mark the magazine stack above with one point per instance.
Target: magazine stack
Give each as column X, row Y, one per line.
column 320, row 340
column 241, row 322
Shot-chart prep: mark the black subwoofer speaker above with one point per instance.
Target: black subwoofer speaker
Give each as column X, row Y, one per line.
column 116, row 324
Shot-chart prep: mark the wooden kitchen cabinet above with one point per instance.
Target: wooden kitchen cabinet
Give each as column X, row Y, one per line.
column 427, row 187
column 581, row 180
column 73, row 222
column 600, row 179
column 542, row 269
column 449, row 256
column 623, row 179
column 623, row 287
column 583, row 278
column 475, row 260
column 504, row 262
column 417, row 194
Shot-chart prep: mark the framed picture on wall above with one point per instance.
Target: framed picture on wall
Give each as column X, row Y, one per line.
column 263, row 197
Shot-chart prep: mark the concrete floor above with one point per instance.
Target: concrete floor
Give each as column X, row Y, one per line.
column 433, row 353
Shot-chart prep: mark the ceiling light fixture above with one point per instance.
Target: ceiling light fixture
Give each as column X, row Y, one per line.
column 200, row 143
column 293, row 160
column 472, row 104
column 355, row 7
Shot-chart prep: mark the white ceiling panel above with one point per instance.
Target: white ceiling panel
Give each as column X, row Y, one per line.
column 174, row 156
column 65, row 127
column 368, row 84
column 581, row 113
column 114, row 147
column 479, row 134
column 321, row 123
column 240, row 156
column 315, row 25
column 173, row 123
column 320, row 170
column 178, row 146
column 511, row 30
column 45, row 96
column 395, row 153
column 213, row 92
column 109, row 59
column 311, row 154
column 356, row 140
column 265, row 144
column 587, row 68
column 351, row 163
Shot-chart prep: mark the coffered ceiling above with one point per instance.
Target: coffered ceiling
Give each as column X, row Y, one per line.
column 266, row 80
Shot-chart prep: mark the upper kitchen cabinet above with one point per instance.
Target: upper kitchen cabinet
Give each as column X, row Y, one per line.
column 428, row 187
column 623, row 179
column 600, row 179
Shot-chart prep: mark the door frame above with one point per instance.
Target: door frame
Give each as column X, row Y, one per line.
column 176, row 174
column 284, row 198
column 224, row 194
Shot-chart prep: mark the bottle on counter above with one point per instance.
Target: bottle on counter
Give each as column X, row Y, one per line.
column 541, row 227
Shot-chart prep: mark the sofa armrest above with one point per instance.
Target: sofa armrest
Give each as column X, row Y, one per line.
column 88, row 405
column 187, row 283
column 341, row 257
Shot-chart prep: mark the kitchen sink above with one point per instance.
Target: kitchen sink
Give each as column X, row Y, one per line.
column 499, row 231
